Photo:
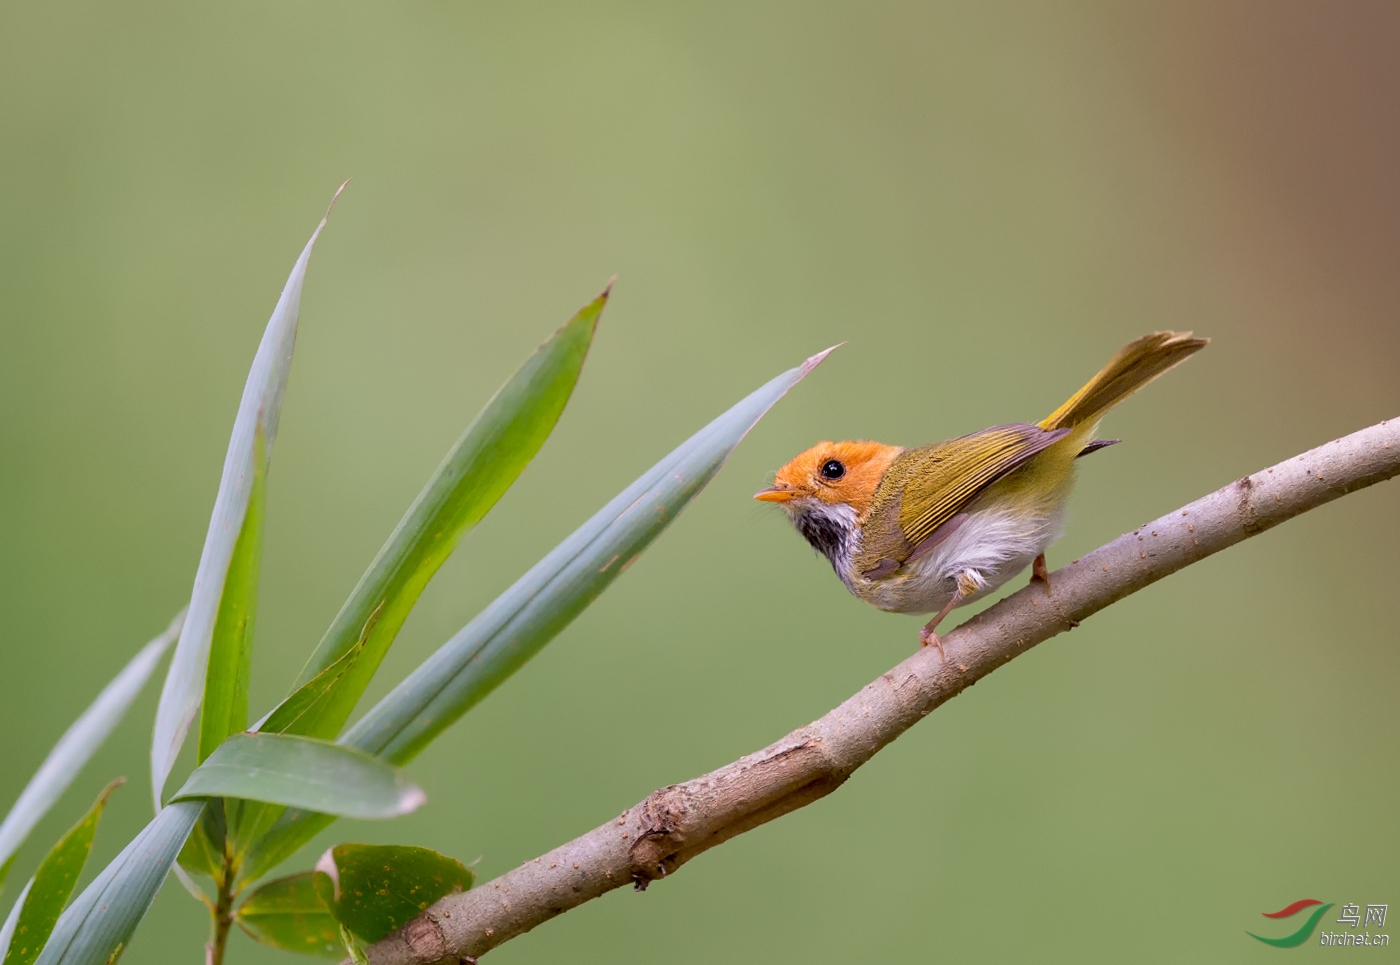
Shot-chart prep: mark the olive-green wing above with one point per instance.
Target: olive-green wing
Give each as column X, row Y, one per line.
column 940, row 480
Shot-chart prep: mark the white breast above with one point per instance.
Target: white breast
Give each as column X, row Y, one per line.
column 990, row 547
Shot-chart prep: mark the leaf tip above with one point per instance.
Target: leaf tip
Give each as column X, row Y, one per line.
column 326, row 865
column 594, row 310
column 112, row 785
column 327, row 216
column 817, row 359
column 411, row 799
column 335, row 197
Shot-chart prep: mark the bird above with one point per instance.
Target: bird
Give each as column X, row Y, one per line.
column 927, row 529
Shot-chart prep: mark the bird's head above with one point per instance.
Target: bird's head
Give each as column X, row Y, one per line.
column 827, row 489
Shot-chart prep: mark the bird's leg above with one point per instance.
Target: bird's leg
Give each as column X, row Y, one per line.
column 1041, row 574
column 927, row 638
column 968, row 583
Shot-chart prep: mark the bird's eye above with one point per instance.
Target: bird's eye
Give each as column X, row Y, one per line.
column 832, row 469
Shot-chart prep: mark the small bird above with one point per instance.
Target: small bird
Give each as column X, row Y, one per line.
column 929, row 529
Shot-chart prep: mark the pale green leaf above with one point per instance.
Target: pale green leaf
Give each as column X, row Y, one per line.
column 100, row 922
column 492, row 452
column 540, row 604
column 81, row 741
column 225, row 707
column 256, row 423
column 51, row 885
column 515, row 626
column 303, row 772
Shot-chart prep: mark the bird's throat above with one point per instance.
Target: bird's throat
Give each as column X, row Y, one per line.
column 829, row 530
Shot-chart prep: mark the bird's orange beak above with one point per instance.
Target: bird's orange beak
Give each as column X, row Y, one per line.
column 775, row 495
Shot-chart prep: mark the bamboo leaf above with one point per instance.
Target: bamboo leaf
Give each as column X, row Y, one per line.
column 287, row 913
column 515, row 626
column 541, row 603
column 252, row 819
column 306, row 773
column 53, row 883
column 374, row 889
column 286, row 716
column 79, row 743
column 492, row 452
column 225, row 706
column 203, row 852
column 97, row 926
column 7, row 930
column 485, row 461
column 258, row 415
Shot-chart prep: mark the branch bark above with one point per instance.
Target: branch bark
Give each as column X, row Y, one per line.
column 676, row 823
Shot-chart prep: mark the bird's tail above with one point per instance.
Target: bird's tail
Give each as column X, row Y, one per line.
column 1136, row 364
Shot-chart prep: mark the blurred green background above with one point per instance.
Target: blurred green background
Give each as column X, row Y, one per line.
column 985, row 200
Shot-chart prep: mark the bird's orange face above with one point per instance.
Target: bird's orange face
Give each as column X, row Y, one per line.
column 833, row 473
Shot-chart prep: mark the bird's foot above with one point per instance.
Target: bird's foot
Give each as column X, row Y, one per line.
column 1040, row 573
column 927, row 638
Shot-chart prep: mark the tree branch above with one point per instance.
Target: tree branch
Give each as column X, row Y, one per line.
column 674, row 824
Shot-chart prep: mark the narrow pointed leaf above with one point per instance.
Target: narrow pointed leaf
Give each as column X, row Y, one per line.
column 525, row 617
column 53, row 883
column 81, row 741
column 373, row 889
column 492, row 452
column 99, row 923
column 287, row 913
column 258, row 414
column 303, row 772
column 286, row 716
column 248, row 821
column 7, row 930
column 203, row 849
column 515, row 626
column 225, row 706
column 251, row 819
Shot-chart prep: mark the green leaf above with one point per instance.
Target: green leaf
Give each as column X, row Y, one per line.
column 541, row 603
column 77, row 746
column 256, row 424
column 374, row 889
column 53, row 883
column 225, row 707
column 287, row 913
column 488, row 457
column 252, row 818
column 7, row 930
column 99, row 923
column 514, row 627
column 286, row 716
column 303, row 772
column 203, row 852
column 492, row 452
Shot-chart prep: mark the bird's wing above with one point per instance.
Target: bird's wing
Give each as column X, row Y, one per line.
column 935, row 483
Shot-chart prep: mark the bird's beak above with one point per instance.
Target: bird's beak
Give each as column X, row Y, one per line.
column 775, row 495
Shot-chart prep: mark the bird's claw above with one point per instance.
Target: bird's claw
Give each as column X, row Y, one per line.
column 927, row 638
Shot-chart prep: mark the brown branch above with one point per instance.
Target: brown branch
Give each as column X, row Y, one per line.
column 674, row 824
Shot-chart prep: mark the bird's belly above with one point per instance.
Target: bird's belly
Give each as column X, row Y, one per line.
column 907, row 592
column 990, row 547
